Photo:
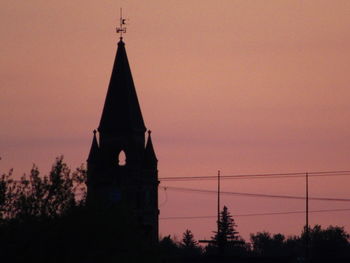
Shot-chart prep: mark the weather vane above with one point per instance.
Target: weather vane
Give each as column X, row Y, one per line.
column 121, row 29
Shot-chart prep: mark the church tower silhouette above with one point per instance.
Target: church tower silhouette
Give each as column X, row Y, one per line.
column 121, row 167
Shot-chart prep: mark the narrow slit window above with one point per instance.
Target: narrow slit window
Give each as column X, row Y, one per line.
column 122, row 158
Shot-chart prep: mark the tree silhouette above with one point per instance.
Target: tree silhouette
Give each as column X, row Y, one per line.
column 227, row 229
column 189, row 245
column 36, row 196
column 329, row 243
column 226, row 239
column 45, row 219
column 326, row 245
column 7, row 191
column 168, row 248
column 188, row 240
column 268, row 246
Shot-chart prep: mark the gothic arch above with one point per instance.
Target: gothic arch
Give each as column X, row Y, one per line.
column 121, row 158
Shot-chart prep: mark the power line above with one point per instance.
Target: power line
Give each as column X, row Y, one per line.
column 258, row 176
column 206, row 191
column 252, row 176
column 256, row 214
column 166, row 198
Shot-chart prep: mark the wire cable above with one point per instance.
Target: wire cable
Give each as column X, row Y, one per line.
column 205, row 191
column 257, row 214
column 166, row 197
column 258, row 176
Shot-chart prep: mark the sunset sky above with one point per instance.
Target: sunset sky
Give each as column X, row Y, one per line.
column 238, row 85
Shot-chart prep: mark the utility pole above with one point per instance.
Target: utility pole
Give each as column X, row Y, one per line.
column 307, row 234
column 218, row 223
column 218, row 219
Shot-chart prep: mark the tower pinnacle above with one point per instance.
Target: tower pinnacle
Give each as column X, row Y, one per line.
column 94, row 150
column 150, row 155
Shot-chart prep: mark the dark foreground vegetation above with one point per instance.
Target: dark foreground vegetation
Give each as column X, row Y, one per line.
column 45, row 219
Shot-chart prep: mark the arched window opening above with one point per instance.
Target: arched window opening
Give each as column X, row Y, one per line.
column 122, row 158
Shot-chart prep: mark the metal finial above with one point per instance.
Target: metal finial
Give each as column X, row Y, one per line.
column 121, row 29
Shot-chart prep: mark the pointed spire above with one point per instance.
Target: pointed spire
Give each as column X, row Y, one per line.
column 121, row 112
column 94, row 150
column 150, row 156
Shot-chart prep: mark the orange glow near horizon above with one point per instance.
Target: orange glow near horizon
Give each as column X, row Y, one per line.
column 244, row 87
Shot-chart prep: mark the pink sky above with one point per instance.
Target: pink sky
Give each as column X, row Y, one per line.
column 240, row 86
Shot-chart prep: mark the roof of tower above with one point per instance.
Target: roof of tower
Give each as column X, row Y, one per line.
column 94, row 149
column 150, row 154
column 121, row 112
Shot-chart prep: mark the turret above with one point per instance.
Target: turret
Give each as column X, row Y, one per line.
column 150, row 160
column 94, row 151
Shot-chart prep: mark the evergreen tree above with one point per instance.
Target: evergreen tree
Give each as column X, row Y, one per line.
column 189, row 245
column 188, row 240
column 227, row 237
column 227, row 229
column 168, row 248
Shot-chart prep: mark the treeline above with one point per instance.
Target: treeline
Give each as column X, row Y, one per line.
column 37, row 196
column 44, row 218
column 325, row 245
